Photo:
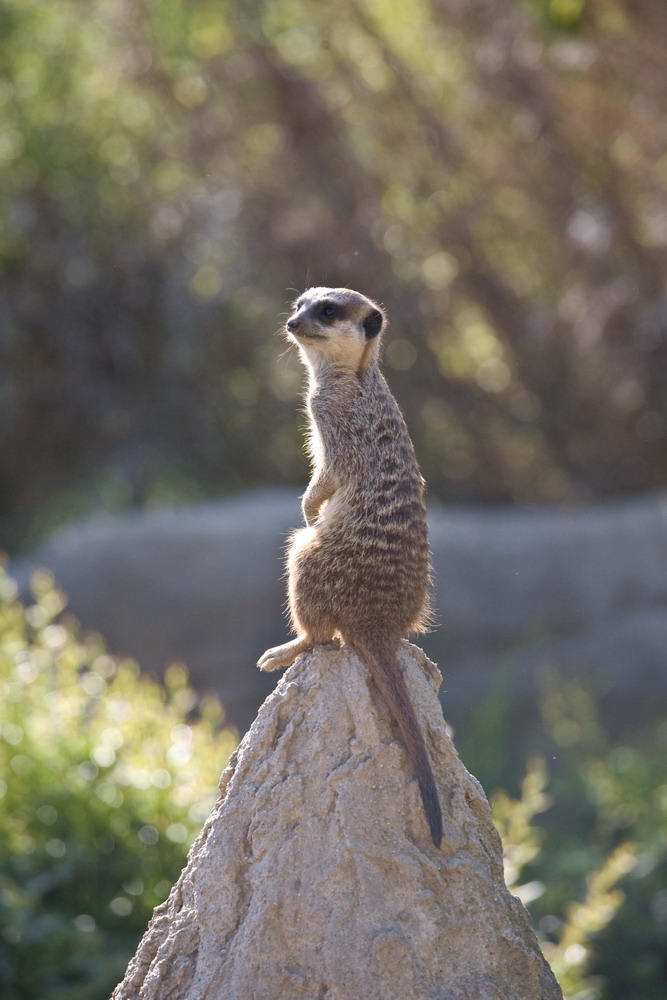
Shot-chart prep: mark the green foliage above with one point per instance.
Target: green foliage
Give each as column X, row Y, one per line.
column 570, row 949
column 561, row 14
column 589, row 858
column 107, row 779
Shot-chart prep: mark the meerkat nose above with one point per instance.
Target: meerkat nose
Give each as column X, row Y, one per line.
column 293, row 323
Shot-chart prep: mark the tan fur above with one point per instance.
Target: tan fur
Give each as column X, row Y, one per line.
column 360, row 569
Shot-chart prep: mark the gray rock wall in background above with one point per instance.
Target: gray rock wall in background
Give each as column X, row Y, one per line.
column 583, row 591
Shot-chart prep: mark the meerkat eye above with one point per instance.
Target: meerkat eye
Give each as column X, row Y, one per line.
column 328, row 311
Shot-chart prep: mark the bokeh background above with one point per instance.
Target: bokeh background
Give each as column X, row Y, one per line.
column 494, row 172
column 173, row 173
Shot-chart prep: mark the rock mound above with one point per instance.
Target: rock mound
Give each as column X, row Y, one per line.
column 315, row 875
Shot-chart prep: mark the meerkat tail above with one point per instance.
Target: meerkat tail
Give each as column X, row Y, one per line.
column 380, row 655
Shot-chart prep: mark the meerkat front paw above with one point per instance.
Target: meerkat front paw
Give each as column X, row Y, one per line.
column 274, row 659
column 282, row 656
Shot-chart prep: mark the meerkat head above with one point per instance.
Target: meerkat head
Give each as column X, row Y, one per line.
column 337, row 324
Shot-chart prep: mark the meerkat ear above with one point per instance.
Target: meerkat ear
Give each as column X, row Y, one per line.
column 373, row 324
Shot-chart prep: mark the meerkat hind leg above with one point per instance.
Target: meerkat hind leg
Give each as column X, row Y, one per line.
column 282, row 656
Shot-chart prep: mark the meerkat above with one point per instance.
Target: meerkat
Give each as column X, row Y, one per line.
column 360, row 570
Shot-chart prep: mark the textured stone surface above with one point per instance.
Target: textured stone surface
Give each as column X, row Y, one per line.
column 315, row 875
column 584, row 591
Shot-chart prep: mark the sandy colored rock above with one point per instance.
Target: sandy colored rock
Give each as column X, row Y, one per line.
column 315, row 875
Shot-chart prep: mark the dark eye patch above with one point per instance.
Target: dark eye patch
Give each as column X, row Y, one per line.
column 328, row 312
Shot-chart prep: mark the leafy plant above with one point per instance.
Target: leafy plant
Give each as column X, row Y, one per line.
column 107, row 778
column 570, row 949
column 586, row 851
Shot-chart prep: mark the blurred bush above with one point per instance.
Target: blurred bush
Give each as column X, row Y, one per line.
column 586, row 851
column 494, row 171
column 106, row 780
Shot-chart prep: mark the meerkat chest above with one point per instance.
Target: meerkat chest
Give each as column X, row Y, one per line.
column 342, row 428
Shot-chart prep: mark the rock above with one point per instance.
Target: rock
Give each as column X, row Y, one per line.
column 583, row 591
column 315, row 875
